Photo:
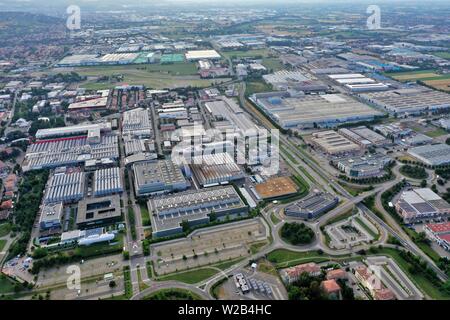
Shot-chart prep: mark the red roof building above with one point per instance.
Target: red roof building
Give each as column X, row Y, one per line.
column 331, row 288
column 336, row 274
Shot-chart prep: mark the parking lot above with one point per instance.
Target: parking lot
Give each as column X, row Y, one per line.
column 261, row 286
column 209, row 246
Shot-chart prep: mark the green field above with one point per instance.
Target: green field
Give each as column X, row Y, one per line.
column 248, row 53
column 256, row 87
column 2, row 244
column 145, row 215
column 422, row 75
column 156, row 76
column 436, row 133
column 367, row 228
column 173, row 294
column 190, row 277
column 442, row 54
column 274, row 218
column 6, row 285
column 5, row 229
column 273, row 64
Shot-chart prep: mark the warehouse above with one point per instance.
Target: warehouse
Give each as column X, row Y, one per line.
column 158, row 177
column 65, row 187
column 167, row 213
column 433, row 155
column 409, row 101
column 420, row 204
column 333, row 143
column 310, row 111
column 94, row 212
column 137, row 123
column 107, row 181
column 215, row 169
column 312, row 206
column 202, row 54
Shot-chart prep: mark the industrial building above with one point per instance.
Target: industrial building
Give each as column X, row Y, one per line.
column 440, row 233
column 90, row 104
column 51, row 216
column 94, row 212
column 107, row 181
column 167, row 213
column 135, row 146
column 393, row 130
column 420, row 204
column 364, row 137
column 65, row 187
column 357, row 82
column 363, row 167
column 202, row 54
column 332, row 143
column 73, row 151
column 158, row 177
column 284, row 78
column 136, row 123
column 86, row 237
column 228, row 115
column 79, row 60
column 312, row 206
column 433, row 155
column 311, row 111
column 411, row 101
column 82, row 129
column 214, row 169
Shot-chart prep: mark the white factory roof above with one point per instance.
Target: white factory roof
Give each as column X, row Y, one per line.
column 202, row 54
column 346, row 76
column 42, row 133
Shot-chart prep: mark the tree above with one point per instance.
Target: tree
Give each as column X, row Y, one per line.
column 112, row 284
